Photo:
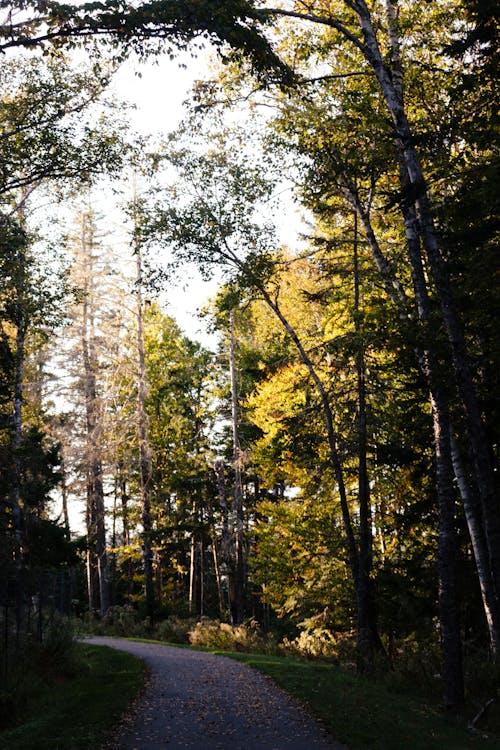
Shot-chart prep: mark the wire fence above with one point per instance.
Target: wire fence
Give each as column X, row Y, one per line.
column 29, row 603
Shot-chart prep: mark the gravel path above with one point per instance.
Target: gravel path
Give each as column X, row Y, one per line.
column 199, row 701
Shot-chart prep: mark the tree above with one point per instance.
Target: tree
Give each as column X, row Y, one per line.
column 55, row 125
column 86, row 250
column 151, row 28
column 216, row 227
column 142, row 426
column 29, row 301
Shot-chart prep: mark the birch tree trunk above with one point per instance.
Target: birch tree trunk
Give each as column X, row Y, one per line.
column 483, row 470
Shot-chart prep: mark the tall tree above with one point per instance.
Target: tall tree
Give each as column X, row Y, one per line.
column 216, row 227
column 142, row 426
column 86, row 252
column 29, row 301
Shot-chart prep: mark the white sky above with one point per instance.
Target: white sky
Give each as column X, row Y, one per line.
column 158, row 96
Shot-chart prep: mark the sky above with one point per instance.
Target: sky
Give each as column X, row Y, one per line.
column 158, row 96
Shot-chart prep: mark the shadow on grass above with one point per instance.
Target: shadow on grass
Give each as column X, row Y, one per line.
column 78, row 712
column 367, row 714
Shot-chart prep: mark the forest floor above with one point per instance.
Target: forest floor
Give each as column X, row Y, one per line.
column 200, row 701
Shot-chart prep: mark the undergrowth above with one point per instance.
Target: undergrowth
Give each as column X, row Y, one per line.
column 414, row 672
column 75, row 709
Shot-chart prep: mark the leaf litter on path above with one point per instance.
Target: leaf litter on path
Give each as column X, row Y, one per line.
column 200, row 701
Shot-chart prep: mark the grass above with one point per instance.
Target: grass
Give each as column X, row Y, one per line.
column 78, row 711
column 78, row 714
column 364, row 714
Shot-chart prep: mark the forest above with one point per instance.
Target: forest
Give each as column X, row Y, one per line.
column 323, row 477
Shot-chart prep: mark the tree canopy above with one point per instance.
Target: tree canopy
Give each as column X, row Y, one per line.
column 331, row 468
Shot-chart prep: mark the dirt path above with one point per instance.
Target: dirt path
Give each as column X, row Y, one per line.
column 199, row 701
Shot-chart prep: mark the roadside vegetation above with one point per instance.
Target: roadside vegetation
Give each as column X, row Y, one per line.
column 383, row 710
column 70, row 695
column 70, row 701
column 323, row 467
column 372, row 714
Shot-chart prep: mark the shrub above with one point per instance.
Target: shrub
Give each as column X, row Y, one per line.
column 34, row 665
column 175, row 629
column 482, row 682
column 55, row 654
column 247, row 638
column 417, row 665
column 318, row 643
column 122, row 620
column 89, row 624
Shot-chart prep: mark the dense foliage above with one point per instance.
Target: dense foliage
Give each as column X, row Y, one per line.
column 331, row 470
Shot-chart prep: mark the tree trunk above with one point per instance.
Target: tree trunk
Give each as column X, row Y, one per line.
column 238, row 606
column 15, row 494
column 129, row 568
column 226, row 565
column 480, row 452
column 95, row 500
column 144, row 446
column 64, row 498
column 91, row 557
column 479, row 548
column 192, row 569
column 218, row 578
column 368, row 637
column 452, row 669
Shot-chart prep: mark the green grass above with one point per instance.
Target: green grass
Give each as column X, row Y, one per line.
column 363, row 714
column 367, row 715
column 77, row 712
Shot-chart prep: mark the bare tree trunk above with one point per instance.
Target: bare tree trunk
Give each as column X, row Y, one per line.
column 94, row 464
column 144, row 445
column 226, row 565
column 201, row 565
column 192, row 569
column 64, row 498
column 129, row 571
column 218, row 578
column 215, row 557
column 237, row 610
column 91, row 557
